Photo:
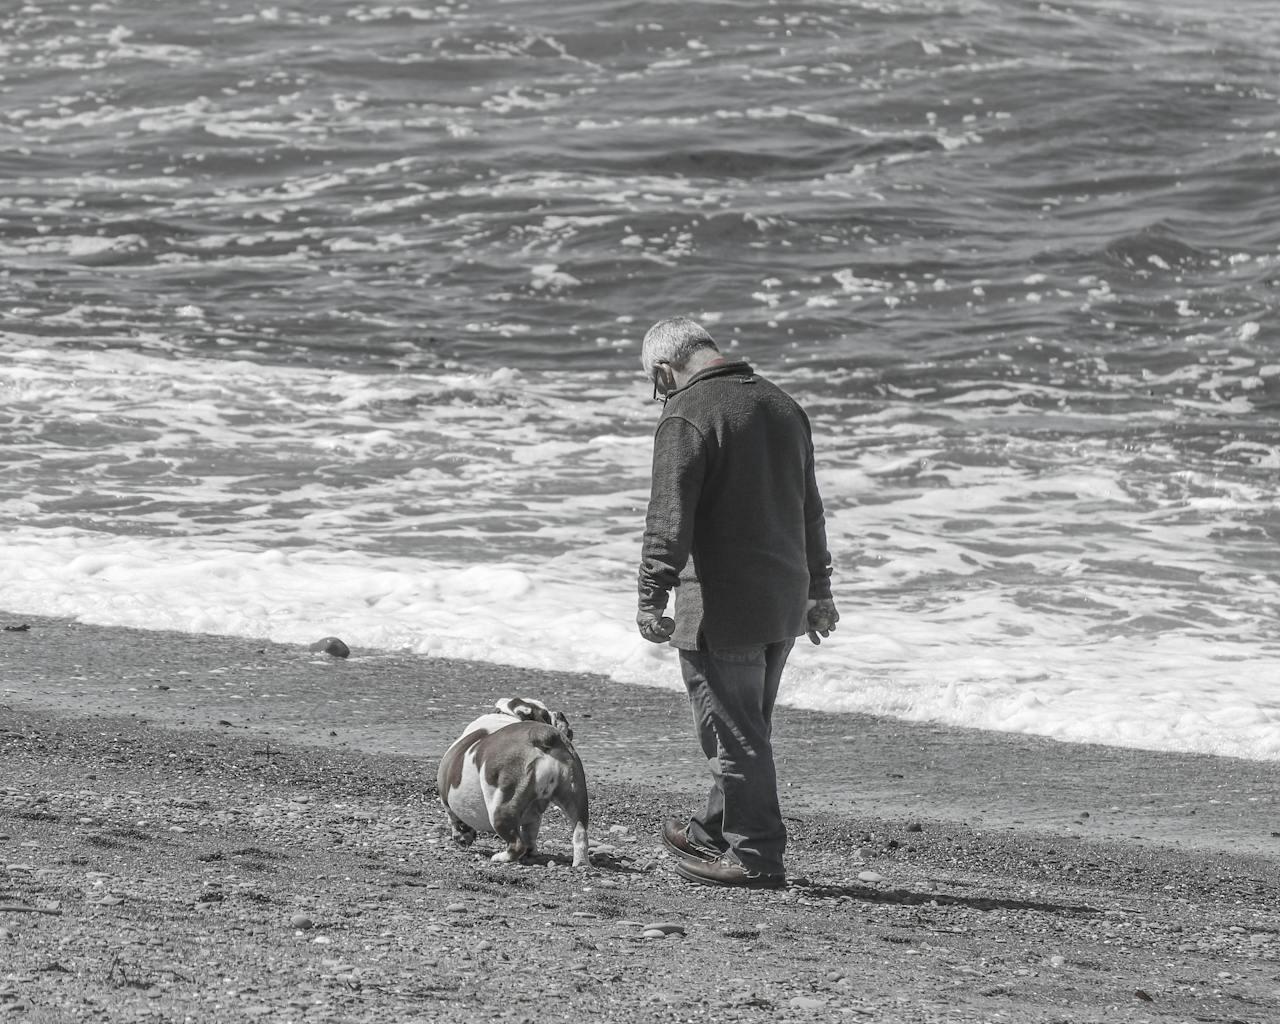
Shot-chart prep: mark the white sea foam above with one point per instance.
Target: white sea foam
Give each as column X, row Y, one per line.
column 1152, row 691
column 1083, row 594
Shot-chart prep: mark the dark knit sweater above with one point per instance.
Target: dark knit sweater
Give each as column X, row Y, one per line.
column 735, row 519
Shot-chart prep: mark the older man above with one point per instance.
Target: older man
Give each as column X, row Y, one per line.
column 735, row 525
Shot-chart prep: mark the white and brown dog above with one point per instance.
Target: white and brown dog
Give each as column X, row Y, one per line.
column 506, row 769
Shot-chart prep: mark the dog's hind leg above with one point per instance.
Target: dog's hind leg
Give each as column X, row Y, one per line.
column 529, row 833
column 509, row 811
column 581, row 859
column 517, row 816
column 507, row 824
column 572, row 800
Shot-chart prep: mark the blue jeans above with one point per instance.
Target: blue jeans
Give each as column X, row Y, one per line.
column 732, row 692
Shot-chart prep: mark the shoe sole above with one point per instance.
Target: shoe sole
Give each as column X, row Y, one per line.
column 690, row 855
column 692, row 876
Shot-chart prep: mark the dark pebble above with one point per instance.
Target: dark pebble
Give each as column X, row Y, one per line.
column 331, row 645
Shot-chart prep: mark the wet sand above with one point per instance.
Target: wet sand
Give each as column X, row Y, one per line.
column 939, row 873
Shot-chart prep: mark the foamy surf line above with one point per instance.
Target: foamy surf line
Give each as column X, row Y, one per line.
column 1171, row 693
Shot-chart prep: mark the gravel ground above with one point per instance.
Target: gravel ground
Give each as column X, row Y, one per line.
column 157, row 871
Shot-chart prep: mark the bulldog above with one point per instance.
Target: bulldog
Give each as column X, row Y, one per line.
column 504, row 771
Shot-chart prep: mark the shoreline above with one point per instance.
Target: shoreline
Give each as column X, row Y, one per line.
column 409, row 704
column 183, row 843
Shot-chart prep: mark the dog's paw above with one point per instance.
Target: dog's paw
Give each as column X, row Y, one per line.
column 464, row 837
column 510, row 855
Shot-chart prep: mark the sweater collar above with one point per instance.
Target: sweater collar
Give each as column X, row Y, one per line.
column 737, row 368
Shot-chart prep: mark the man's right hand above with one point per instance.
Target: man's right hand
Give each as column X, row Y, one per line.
column 654, row 628
column 822, row 618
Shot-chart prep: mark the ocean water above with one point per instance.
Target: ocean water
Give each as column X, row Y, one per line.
column 323, row 318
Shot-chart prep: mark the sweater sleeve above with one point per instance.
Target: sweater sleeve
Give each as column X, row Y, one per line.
column 815, row 535
column 679, row 468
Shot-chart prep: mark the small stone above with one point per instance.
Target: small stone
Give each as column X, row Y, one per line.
column 301, row 921
column 455, row 908
column 870, row 876
column 665, row 927
column 654, row 933
column 915, row 826
column 807, row 1003
column 332, row 646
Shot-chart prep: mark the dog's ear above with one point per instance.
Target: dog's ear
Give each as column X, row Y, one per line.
column 513, row 706
column 524, row 708
column 560, row 721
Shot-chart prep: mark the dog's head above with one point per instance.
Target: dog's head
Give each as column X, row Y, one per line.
column 526, row 709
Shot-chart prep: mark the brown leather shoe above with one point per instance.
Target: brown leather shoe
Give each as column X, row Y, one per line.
column 676, row 839
column 728, row 873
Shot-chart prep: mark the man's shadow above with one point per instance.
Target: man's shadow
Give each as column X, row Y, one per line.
column 908, row 898
column 602, row 861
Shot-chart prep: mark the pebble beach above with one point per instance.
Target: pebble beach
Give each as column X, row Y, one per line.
column 177, row 848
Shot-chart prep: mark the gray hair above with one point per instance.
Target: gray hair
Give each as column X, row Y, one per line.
column 673, row 341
